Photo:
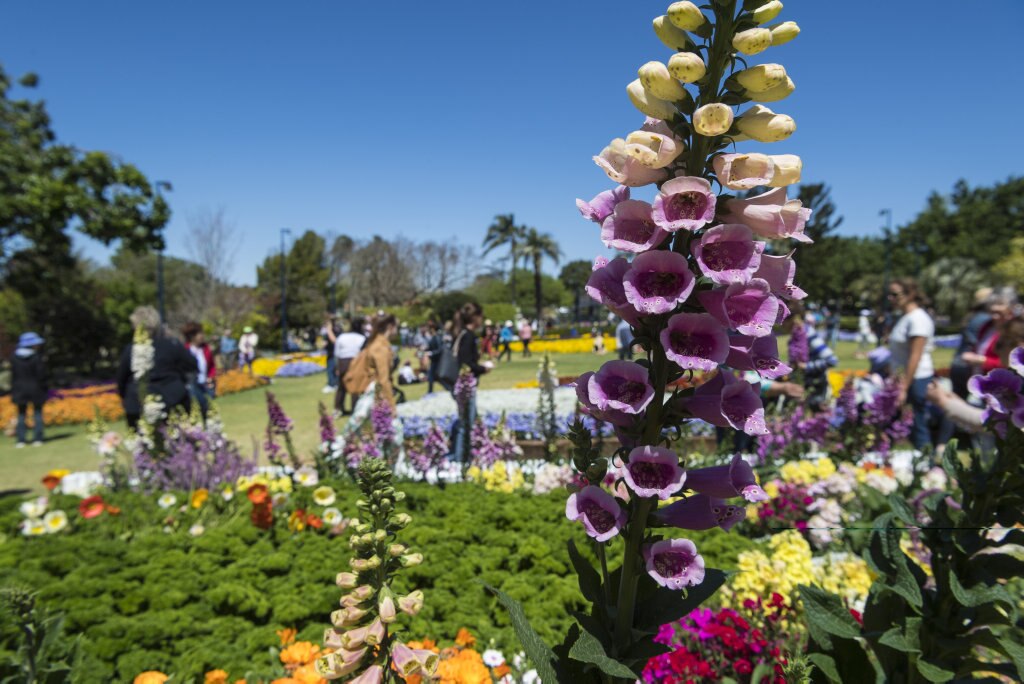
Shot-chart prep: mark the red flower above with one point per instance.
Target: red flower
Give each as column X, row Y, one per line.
column 743, row 666
column 91, row 507
column 857, row 616
column 258, row 494
column 262, row 515
column 314, row 521
column 51, row 482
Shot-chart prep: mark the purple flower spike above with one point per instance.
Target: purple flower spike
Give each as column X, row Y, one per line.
column 727, row 401
column 658, row 281
column 654, row 471
column 602, row 206
column 728, row 254
column 1017, row 360
column 621, row 386
column 695, row 341
column 748, row 308
column 631, row 228
column 600, row 513
column 699, row 512
column 778, row 272
column 605, row 286
column 770, row 215
column 616, row 418
column 727, row 481
column 1000, row 389
column 685, row 203
column 674, row 563
column 760, row 354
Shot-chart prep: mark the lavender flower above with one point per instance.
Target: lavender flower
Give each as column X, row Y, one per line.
column 799, row 351
column 465, row 388
column 280, row 423
column 192, row 457
column 602, row 206
column 728, row 254
column 727, row 401
column 674, row 563
column 657, row 282
column 630, row 228
column 684, row 203
column 599, row 511
column 485, row 452
column 620, row 386
column 778, row 272
column 759, row 354
column 749, row 308
column 432, row 452
column 653, row 471
column 695, row 341
column 382, row 421
column 699, row 512
column 606, row 286
column 727, row 481
column 328, row 433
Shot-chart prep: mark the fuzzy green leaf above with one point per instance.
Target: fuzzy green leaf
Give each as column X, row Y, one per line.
column 934, row 673
column 902, row 510
column 895, row 638
column 978, row 595
column 665, row 605
column 588, row 649
column 589, row 579
column 539, row 653
column 826, row 612
column 827, row 665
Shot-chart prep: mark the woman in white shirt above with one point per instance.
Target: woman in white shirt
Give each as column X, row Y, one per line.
column 911, row 342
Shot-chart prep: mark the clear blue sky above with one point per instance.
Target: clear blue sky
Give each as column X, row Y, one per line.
column 426, row 119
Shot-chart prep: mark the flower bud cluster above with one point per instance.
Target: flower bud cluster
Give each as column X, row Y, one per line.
column 362, row 637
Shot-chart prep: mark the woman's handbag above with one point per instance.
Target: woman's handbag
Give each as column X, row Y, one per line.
column 448, row 365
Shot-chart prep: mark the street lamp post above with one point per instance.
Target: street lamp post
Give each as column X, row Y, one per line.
column 887, row 231
column 284, row 295
column 159, row 185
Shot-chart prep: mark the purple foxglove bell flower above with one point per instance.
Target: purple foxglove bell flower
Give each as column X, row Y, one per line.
column 1000, row 389
column 372, row 675
column 658, row 281
column 748, row 308
column 605, row 286
column 695, row 341
column 674, row 563
column 759, row 354
column 600, row 513
column 616, row 418
column 405, row 659
column 778, row 272
column 621, row 386
column 770, row 215
column 615, row 161
column 1017, row 360
column 727, row 481
column 653, row 471
column 630, row 228
column 699, row 512
column 602, row 206
column 728, row 254
column 727, row 401
column 684, row 203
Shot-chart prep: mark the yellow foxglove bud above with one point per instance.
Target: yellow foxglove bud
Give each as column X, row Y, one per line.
column 752, row 41
column 712, row 119
column 687, row 67
column 784, row 32
column 671, row 35
column 767, row 11
column 779, row 92
column 653, row 150
column 685, row 15
column 656, row 80
column 649, row 104
column 763, row 125
column 762, row 77
column 787, row 170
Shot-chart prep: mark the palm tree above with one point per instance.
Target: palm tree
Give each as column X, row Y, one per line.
column 535, row 247
column 504, row 231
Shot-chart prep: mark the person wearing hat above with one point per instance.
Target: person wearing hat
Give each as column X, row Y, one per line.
column 505, row 337
column 28, row 386
column 247, row 348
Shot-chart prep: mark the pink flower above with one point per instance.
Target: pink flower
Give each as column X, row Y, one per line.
column 617, row 418
column 728, row 254
column 616, row 161
column 749, row 308
column 620, row 386
column 684, row 203
column 602, row 206
column 658, row 281
column 726, row 401
column 770, row 215
column 699, row 512
column 653, row 471
column 674, row 563
column 600, row 513
column 759, row 354
column 743, row 171
column 727, row 481
column 631, row 228
column 605, row 286
column 778, row 272
column 695, row 341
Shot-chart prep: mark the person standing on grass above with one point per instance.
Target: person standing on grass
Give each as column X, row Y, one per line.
column 505, row 337
column 371, row 369
column 466, row 322
column 911, row 342
column 247, row 344
column 525, row 335
column 28, row 386
column 435, row 345
column 228, row 348
column 330, row 338
column 624, row 340
column 347, row 346
column 203, row 386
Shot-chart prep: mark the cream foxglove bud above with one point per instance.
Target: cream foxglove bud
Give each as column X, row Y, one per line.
column 653, row 150
column 401, row 520
column 375, row 633
column 743, row 171
column 762, row 77
column 412, row 603
column 779, row 92
column 649, row 104
column 685, row 15
column 671, row 35
column 712, row 119
column 353, row 638
column 396, row 550
column 767, row 11
column 787, row 170
column 362, row 593
column 784, row 32
column 347, row 580
column 380, row 535
column 387, row 609
column 411, row 559
column 688, row 67
column 752, row 41
column 656, row 80
column 763, row 125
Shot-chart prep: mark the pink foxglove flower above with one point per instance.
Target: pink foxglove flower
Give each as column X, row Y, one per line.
column 744, row 171
column 674, row 563
column 727, row 481
column 602, row 206
column 653, row 471
column 605, row 286
column 658, row 281
column 615, row 161
column 778, row 272
column 621, row 386
column 684, row 203
column 654, row 145
column 728, row 254
column 600, row 513
column 630, row 228
column 699, row 512
column 372, row 675
column 727, row 401
column 759, row 354
column 695, row 341
column 749, row 308
column 770, row 215
column 619, row 419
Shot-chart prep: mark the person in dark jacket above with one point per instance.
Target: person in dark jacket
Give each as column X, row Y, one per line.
column 168, row 376
column 467, row 321
column 28, row 386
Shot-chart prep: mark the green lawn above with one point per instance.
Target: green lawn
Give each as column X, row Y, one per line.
column 244, row 414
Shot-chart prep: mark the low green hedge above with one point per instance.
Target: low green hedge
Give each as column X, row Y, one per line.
column 146, row 599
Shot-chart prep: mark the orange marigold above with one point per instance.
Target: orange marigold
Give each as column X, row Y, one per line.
column 465, row 638
column 300, row 653
column 216, row 677
column 150, row 677
column 467, row 667
column 286, row 635
column 199, row 497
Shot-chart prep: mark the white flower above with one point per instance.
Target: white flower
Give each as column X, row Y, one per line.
column 519, row 660
column 167, row 500
column 196, row 529
column 153, row 409
column 493, row 657
column 306, row 476
column 55, row 521
column 142, row 357
column 228, row 494
column 934, row 479
column 332, row 516
column 531, row 677
column 323, row 496
column 81, row 484
column 882, row 482
column 33, row 527
column 279, row 499
column 34, row 508
column 108, row 443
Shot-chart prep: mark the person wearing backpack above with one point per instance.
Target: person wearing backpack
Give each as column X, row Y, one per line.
column 463, row 353
column 373, row 365
column 28, row 386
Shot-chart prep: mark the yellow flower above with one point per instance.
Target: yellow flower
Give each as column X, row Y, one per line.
column 752, row 41
column 59, row 473
column 671, row 35
column 687, row 67
column 713, row 119
column 656, row 80
column 784, row 32
column 685, row 15
column 199, row 497
column 649, row 104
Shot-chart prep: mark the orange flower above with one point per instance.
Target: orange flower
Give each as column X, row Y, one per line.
column 216, row 677
column 286, row 635
column 112, row 510
column 300, row 653
column 297, row 520
column 199, row 497
column 51, row 482
column 91, row 507
column 465, row 638
column 424, row 644
column 502, row 670
column 150, row 677
column 315, row 522
column 307, row 674
column 258, row 494
column 467, row 667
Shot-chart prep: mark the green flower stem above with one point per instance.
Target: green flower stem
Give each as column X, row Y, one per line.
column 599, row 550
column 718, row 54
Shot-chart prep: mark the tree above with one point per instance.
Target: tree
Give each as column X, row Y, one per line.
column 574, row 276
column 504, row 231
column 212, row 244
column 816, row 262
column 950, row 284
column 380, row 275
column 1010, row 268
column 306, row 277
column 535, row 247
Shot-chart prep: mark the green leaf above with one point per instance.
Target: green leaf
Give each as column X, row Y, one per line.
column 902, row 510
column 895, row 638
column 589, row 579
column 950, row 461
column 1016, row 653
column 826, row 612
column 665, row 605
column 588, row 649
column 827, row 665
column 933, row 673
column 978, row 595
column 539, row 653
